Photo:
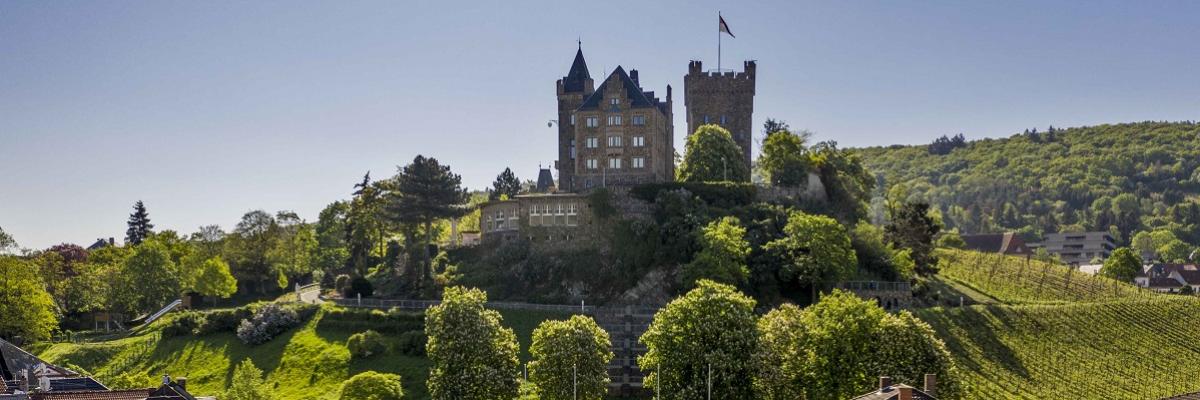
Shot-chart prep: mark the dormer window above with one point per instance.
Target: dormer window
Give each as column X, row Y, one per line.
column 614, row 101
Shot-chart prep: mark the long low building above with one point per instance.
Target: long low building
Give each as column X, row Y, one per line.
column 1078, row 248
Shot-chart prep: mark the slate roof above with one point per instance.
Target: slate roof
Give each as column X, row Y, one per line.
column 76, row 384
column 575, row 78
column 893, row 392
column 545, row 181
column 1191, row 277
column 171, row 391
column 1164, row 283
column 637, row 98
column 131, row 394
column 1005, row 243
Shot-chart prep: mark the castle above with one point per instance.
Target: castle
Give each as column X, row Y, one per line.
column 614, row 136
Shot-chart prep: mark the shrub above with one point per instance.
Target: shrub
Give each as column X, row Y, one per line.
column 395, row 321
column 270, row 320
column 358, row 285
column 412, row 343
column 372, row 385
column 366, row 344
column 185, row 323
column 341, row 283
column 225, row 320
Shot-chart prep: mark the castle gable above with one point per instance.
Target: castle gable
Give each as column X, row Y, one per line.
column 633, row 93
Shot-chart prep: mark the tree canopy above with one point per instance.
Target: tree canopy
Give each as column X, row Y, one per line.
column 913, row 228
column 371, row 385
column 473, row 355
column 28, row 310
column 722, row 255
column 784, row 160
column 815, row 251
column 711, row 155
column 505, row 185
column 706, row 336
column 425, row 191
column 247, row 384
column 1123, row 265
column 570, row 359
column 139, row 224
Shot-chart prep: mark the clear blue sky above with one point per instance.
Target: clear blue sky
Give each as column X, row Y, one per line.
column 208, row 109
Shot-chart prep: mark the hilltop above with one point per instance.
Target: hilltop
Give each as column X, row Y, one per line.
column 1122, row 178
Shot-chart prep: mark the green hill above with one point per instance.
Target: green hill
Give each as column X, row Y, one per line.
column 1130, row 349
column 1050, row 332
column 309, row 362
column 1124, row 177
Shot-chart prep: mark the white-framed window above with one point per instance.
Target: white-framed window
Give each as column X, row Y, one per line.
column 639, row 141
column 614, row 141
column 591, row 142
column 591, row 163
column 639, row 120
column 534, row 217
column 614, row 101
column 706, row 119
column 572, row 119
column 638, row 162
column 500, row 220
column 722, row 120
column 591, row 122
column 614, row 120
column 572, row 149
column 614, row 163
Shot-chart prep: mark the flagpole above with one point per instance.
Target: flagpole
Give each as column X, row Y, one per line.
column 718, row 42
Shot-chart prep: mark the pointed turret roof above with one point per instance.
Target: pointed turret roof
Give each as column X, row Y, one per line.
column 573, row 82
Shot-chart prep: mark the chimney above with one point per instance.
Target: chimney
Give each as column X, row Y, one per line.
column 884, row 382
column 182, row 382
column 112, row 242
column 25, row 381
column 931, row 384
column 634, row 75
column 905, row 392
column 166, row 379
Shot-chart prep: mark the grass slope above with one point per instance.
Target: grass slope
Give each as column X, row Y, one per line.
column 1017, row 280
column 309, row 362
column 1128, row 349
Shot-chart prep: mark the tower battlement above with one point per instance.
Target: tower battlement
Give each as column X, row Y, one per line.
column 722, row 98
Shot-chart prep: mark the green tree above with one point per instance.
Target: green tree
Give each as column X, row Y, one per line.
column 293, row 254
column 248, row 248
column 7, row 243
column 711, row 155
column 332, row 250
column 505, row 185
column 780, row 359
column 139, row 225
column 27, row 308
column 906, row 348
column 913, row 228
column 371, row 385
column 722, row 255
column 215, row 279
column 705, row 336
column 847, row 182
column 248, row 384
column 772, row 126
column 784, row 160
column 424, row 192
column 365, row 229
column 148, row 281
column 570, row 359
column 814, row 252
column 473, row 355
column 1123, row 265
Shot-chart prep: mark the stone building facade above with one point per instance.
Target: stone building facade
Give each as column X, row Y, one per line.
column 722, row 98
column 544, row 219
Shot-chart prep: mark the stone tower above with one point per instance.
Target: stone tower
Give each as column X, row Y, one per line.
column 572, row 90
column 722, row 98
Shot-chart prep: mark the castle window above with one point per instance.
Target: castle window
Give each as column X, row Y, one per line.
column 614, row 141
column 639, row 162
column 592, row 122
column 572, row 149
column 614, row 120
column 591, row 142
column 513, row 222
column 614, row 101
column 591, row 164
column 706, row 119
column 614, row 163
column 639, row 120
column 500, row 221
column 572, row 119
column 639, row 141
column 572, row 215
column 722, row 120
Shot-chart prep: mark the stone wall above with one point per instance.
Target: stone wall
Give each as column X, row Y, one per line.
column 722, row 98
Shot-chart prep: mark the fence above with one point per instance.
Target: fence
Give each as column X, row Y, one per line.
column 424, row 304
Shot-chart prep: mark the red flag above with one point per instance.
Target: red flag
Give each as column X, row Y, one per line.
column 725, row 27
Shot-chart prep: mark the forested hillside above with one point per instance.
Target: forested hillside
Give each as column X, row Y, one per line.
column 1122, row 178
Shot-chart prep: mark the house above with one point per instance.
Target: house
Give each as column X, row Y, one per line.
column 1169, row 278
column 1007, row 243
column 889, row 391
column 102, row 243
column 1078, row 248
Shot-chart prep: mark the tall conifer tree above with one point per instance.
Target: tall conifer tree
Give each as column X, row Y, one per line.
column 139, row 225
